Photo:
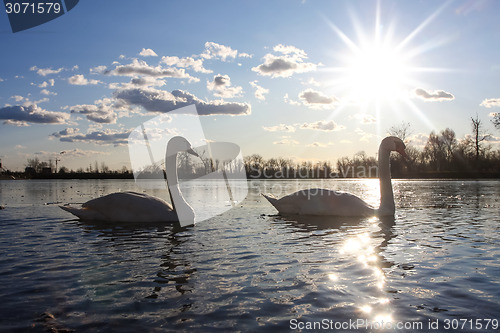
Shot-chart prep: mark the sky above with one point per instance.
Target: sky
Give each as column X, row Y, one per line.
column 306, row 80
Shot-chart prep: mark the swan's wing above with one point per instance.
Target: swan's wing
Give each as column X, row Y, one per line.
column 323, row 202
column 131, row 206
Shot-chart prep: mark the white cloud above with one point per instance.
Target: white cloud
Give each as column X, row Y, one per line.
column 80, row 80
column 31, row 113
column 222, row 52
column 436, row 95
column 316, row 99
column 319, row 144
column 280, row 128
column 47, row 83
column 320, row 125
column 47, row 92
column 188, row 62
column 286, row 141
column 1, row 80
column 102, row 111
column 148, row 53
column 491, row 102
column 139, row 67
column 98, row 70
column 365, row 118
column 259, row 91
column 104, row 137
column 17, row 98
column 46, row 71
column 365, row 136
column 156, row 100
column 290, row 62
column 287, row 100
column 221, row 86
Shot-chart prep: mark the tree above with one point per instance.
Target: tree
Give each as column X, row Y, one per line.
column 478, row 136
column 401, row 131
column 496, row 119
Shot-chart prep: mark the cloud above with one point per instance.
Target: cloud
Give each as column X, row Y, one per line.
column 319, row 144
column 365, row 118
column 100, row 112
column 156, row 100
column 222, row 52
column 139, row 67
column 47, row 83
column 98, row 70
column 365, row 136
column 327, row 126
column 148, row 53
column 286, row 141
column 290, row 62
column 104, row 137
column 491, row 102
column 46, row 71
column 188, row 62
column 21, row 115
column 280, row 128
column 287, row 100
column 47, row 92
column 316, row 99
column 1, row 80
column 17, row 98
column 80, row 80
column 436, row 95
column 259, row 91
column 221, row 86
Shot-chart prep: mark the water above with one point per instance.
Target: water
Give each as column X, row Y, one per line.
column 436, row 263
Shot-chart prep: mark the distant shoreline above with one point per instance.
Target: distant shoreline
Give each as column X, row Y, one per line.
column 414, row 175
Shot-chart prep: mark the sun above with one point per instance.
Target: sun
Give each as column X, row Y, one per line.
column 376, row 72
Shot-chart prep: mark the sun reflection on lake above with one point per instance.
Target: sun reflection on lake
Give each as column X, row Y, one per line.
column 365, row 249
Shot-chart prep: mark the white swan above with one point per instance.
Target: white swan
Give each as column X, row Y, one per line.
column 140, row 207
column 327, row 202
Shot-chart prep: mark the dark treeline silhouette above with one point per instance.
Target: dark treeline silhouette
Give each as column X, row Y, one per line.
column 442, row 156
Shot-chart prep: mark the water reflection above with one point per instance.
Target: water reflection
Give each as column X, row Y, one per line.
column 358, row 242
column 139, row 253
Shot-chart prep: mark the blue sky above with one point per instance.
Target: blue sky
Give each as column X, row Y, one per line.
column 312, row 80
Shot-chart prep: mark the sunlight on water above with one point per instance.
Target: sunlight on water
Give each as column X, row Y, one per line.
column 248, row 268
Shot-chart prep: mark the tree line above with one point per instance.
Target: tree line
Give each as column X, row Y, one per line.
column 443, row 155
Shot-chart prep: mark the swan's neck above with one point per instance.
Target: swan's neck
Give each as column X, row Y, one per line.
column 184, row 212
column 386, row 195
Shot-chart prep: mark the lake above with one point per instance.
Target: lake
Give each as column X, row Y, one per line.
column 434, row 267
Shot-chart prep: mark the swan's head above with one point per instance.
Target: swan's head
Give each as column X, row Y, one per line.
column 392, row 143
column 179, row 144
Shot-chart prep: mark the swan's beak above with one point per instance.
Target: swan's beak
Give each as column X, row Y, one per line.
column 192, row 152
column 402, row 152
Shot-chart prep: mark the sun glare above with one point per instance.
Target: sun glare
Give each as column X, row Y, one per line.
column 376, row 72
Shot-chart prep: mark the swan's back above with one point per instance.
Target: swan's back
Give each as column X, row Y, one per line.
column 321, row 202
column 125, row 207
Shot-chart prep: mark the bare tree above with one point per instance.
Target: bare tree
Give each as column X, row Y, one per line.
column 402, row 131
column 496, row 119
column 478, row 135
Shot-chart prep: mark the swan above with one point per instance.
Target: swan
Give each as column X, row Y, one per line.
column 332, row 203
column 140, row 207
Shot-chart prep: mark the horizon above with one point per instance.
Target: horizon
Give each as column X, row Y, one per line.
column 329, row 87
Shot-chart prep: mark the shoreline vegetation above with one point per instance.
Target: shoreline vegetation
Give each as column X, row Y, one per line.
column 443, row 156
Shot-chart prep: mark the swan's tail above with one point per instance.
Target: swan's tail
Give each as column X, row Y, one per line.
column 271, row 198
column 82, row 213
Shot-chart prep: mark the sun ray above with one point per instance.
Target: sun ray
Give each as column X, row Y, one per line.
column 424, row 24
